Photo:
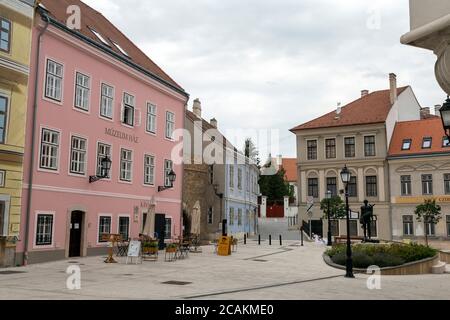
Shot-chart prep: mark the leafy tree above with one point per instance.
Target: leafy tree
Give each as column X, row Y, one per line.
column 251, row 152
column 275, row 187
column 428, row 213
column 337, row 207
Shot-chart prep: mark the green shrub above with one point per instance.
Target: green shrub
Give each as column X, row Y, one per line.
column 382, row 255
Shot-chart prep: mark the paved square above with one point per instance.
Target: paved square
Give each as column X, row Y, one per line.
column 253, row 272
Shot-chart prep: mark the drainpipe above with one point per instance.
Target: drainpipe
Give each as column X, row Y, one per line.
column 33, row 137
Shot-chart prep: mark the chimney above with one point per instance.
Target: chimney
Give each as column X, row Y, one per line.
column 197, row 108
column 279, row 161
column 436, row 110
column 425, row 113
column 338, row 111
column 213, row 122
column 393, row 87
column 364, row 93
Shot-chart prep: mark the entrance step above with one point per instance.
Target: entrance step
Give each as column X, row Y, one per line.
column 439, row 268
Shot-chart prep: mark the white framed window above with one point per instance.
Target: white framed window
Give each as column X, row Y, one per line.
column 168, row 167
column 210, row 217
column 151, row 118
column 126, row 164
column 408, row 225
column 170, row 124
column 231, row 222
column 4, row 215
column 44, row 229
column 2, row 178
column 5, row 35
column 128, row 109
column 168, row 229
column 104, row 227
column 3, row 118
column 107, row 101
column 53, row 80
column 124, row 227
column 149, row 170
column 406, row 144
column 49, row 150
column 78, row 149
column 231, row 177
column 239, row 217
column 82, row 91
column 103, row 151
column 239, row 178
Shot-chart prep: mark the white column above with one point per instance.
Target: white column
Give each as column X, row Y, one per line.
column 381, row 186
column 263, row 206
column 361, row 193
column 303, row 186
column 322, row 185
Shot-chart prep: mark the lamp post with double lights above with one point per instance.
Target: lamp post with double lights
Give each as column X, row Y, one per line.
column 445, row 116
column 328, row 196
column 104, row 170
column 345, row 177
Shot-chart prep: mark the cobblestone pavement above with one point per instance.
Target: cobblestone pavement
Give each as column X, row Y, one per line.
column 253, row 272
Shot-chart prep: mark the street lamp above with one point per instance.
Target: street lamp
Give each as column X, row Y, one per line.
column 105, row 167
column 172, row 178
column 328, row 196
column 445, row 115
column 345, row 177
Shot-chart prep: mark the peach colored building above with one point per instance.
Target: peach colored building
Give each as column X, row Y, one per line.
column 95, row 95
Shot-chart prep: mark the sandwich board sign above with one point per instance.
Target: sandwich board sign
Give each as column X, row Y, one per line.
column 134, row 250
column 224, row 246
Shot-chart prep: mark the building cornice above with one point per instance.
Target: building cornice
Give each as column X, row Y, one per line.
column 14, row 66
column 418, row 155
column 19, row 7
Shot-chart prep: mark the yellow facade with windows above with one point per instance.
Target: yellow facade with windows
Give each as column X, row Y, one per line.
column 16, row 18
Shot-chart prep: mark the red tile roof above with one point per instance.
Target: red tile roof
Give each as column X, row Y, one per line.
column 290, row 167
column 372, row 108
column 417, row 131
column 95, row 20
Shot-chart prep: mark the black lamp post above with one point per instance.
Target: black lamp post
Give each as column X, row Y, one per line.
column 172, row 178
column 445, row 116
column 104, row 170
column 328, row 196
column 345, row 176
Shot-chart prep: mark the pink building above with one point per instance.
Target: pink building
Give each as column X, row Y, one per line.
column 97, row 97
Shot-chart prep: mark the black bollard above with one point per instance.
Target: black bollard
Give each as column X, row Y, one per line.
column 281, row 241
column 301, row 236
column 270, row 239
column 259, row 239
column 245, row 238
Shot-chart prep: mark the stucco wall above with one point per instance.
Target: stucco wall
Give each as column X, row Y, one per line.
column 426, row 11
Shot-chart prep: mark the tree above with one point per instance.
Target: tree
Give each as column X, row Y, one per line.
column 428, row 213
column 275, row 187
column 250, row 151
column 337, row 208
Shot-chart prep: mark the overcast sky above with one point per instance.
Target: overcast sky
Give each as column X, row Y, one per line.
column 274, row 64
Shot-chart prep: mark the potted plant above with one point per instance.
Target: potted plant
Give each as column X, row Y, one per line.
column 150, row 247
column 171, row 247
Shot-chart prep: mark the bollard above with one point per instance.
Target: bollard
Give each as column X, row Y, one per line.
column 245, row 238
column 301, row 236
column 281, row 241
column 259, row 239
column 270, row 239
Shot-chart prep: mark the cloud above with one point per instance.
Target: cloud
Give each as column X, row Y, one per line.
column 276, row 63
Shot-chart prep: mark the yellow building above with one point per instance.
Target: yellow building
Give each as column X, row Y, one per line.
column 16, row 18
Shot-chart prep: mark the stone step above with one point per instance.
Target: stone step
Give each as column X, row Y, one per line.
column 447, row 268
column 439, row 268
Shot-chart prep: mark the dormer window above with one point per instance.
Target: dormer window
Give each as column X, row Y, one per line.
column 100, row 37
column 120, row 49
column 426, row 144
column 445, row 142
column 406, row 144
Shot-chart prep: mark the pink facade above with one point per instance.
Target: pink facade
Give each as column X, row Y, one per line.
column 58, row 192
